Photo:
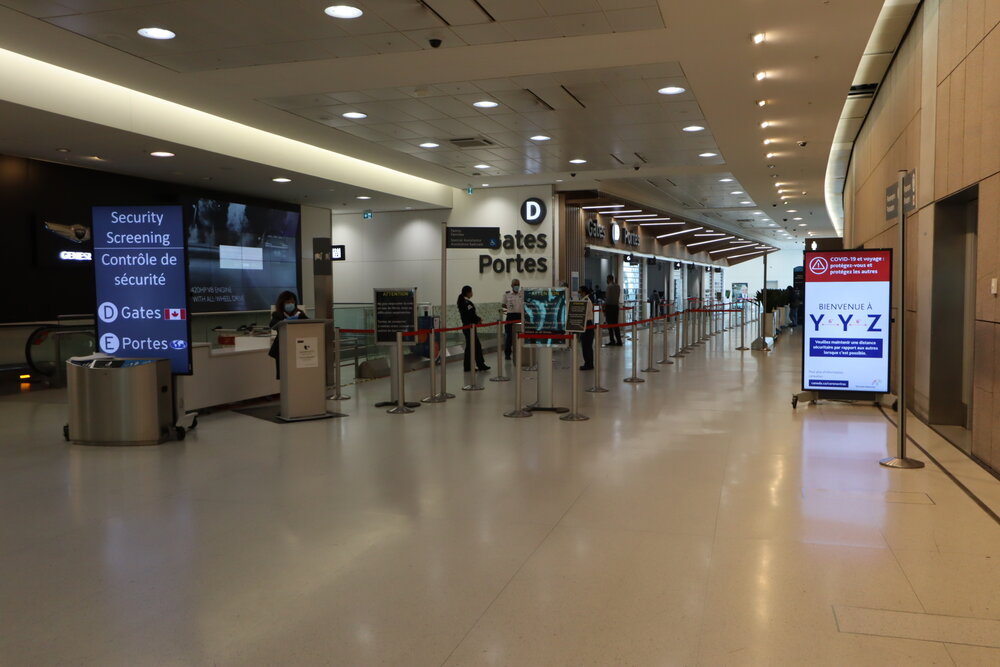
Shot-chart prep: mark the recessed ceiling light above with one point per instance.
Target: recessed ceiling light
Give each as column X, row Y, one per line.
column 671, row 90
column 736, row 192
column 770, row 166
column 802, row 224
column 765, row 125
column 281, row 179
column 578, row 161
column 363, row 197
column 747, row 203
column 758, row 213
column 725, row 180
column 429, row 144
column 758, row 38
column 771, row 155
column 792, row 210
column 486, row 185
column 98, row 158
column 355, row 115
column 760, row 76
column 768, row 142
column 600, row 206
column 481, row 166
column 693, row 128
column 707, row 154
column 796, row 219
column 156, row 33
column 161, row 154
column 62, row 150
column 804, row 192
column 343, row 12
column 485, row 104
column 761, row 103
column 540, row 137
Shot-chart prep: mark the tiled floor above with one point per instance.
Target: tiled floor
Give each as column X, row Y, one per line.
column 696, row 519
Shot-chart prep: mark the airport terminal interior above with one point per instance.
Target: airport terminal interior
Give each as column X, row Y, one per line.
column 732, row 267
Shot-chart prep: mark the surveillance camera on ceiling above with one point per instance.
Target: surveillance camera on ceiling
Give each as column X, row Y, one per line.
column 435, row 43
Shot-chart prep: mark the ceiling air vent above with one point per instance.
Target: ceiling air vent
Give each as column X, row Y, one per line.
column 862, row 91
column 471, row 142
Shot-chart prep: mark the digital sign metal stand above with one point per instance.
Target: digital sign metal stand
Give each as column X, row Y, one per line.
column 140, row 268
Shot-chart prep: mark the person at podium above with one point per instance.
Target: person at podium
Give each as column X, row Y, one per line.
column 286, row 307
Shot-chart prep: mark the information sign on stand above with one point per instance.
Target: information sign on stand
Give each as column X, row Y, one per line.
column 395, row 312
column 576, row 319
column 847, row 300
column 140, row 268
column 545, row 312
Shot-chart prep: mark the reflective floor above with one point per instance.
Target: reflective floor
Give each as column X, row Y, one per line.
column 696, row 519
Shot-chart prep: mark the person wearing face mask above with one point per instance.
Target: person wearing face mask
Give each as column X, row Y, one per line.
column 286, row 307
column 513, row 306
column 467, row 310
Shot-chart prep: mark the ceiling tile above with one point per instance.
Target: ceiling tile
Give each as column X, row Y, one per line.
column 421, row 38
column 407, row 15
column 574, row 25
column 513, row 10
column 389, row 42
column 454, row 128
column 458, row 12
column 451, row 107
column 486, row 33
column 422, row 128
column 640, row 18
column 395, row 131
column 417, row 108
column 562, row 7
column 541, row 28
column 609, row 5
column 484, row 124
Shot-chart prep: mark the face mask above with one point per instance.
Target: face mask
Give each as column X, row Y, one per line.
column 289, row 307
column 516, row 288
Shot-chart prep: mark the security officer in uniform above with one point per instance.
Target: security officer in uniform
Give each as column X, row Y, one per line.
column 467, row 310
column 513, row 306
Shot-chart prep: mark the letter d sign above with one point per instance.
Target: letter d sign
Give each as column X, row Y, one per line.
column 533, row 211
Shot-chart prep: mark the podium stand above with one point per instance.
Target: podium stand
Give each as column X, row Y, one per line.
column 302, row 365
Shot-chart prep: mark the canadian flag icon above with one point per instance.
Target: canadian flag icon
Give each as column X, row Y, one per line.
column 175, row 314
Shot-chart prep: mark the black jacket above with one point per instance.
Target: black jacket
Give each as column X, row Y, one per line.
column 276, row 317
column 467, row 310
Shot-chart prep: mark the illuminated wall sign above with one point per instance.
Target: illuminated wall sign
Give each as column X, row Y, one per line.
column 533, row 211
column 140, row 270
column 75, row 256
column 847, row 301
column 595, row 230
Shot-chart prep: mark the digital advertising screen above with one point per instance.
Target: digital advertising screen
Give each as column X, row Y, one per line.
column 848, row 295
column 241, row 257
column 140, row 276
column 545, row 310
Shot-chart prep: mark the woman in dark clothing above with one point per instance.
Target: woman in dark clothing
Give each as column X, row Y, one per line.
column 467, row 311
column 286, row 307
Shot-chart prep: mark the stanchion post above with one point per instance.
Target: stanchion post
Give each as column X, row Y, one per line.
column 574, row 414
column 650, row 368
column 338, row 393
column 518, row 412
column 500, row 377
column 400, row 408
column 474, row 343
column 634, row 378
column 597, row 388
column 443, row 349
column 434, row 396
column 743, row 329
column 666, row 341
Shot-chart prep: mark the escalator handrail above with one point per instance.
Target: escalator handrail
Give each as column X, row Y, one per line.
column 47, row 329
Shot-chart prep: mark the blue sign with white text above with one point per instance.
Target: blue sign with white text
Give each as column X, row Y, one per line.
column 140, row 265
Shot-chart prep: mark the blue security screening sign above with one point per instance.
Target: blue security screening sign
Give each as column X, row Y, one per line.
column 140, row 265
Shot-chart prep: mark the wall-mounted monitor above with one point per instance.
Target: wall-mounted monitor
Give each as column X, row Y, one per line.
column 240, row 257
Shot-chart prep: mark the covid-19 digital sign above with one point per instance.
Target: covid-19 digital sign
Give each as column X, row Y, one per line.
column 848, row 295
column 140, row 267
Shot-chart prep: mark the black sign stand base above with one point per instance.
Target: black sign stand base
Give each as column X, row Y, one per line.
column 392, row 404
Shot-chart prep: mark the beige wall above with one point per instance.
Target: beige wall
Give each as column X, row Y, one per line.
column 938, row 111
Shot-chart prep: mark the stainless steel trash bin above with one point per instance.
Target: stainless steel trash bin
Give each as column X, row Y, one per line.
column 119, row 401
